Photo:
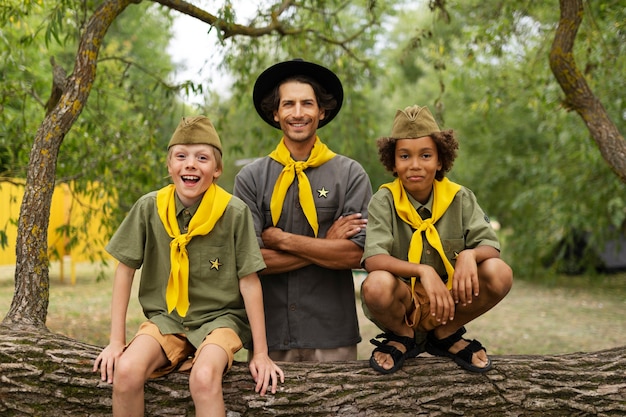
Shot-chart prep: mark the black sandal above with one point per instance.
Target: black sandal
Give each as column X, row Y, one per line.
column 463, row 358
column 412, row 350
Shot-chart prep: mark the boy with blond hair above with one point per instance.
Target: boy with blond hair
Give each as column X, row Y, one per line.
column 199, row 287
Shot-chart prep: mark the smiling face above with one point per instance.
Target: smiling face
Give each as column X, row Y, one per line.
column 193, row 169
column 298, row 112
column 416, row 164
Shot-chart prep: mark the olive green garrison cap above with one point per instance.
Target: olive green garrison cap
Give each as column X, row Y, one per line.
column 413, row 122
column 195, row 130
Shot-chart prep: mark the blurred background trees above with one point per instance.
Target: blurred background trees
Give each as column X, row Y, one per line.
column 482, row 67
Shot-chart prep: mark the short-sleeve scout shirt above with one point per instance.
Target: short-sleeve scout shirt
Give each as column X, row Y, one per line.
column 216, row 263
column 312, row 307
column 464, row 225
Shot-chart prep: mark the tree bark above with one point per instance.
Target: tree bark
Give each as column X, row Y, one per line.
column 47, row 374
column 29, row 307
column 578, row 94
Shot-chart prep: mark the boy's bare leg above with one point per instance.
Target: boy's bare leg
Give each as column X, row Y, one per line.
column 388, row 299
column 142, row 357
column 205, row 381
column 495, row 281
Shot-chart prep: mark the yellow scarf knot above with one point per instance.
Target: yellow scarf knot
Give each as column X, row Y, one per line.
column 320, row 154
column 444, row 192
column 211, row 209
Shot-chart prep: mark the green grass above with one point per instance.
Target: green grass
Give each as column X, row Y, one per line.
column 568, row 314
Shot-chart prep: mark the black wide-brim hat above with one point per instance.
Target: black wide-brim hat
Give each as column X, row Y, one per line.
column 272, row 77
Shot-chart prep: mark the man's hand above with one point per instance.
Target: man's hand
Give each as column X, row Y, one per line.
column 346, row 226
column 272, row 237
column 283, row 251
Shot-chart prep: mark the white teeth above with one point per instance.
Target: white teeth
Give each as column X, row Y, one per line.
column 189, row 177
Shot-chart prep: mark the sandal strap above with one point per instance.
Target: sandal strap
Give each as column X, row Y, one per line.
column 408, row 342
column 447, row 342
column 396, row 354
column 475, row 346
column 468, row 351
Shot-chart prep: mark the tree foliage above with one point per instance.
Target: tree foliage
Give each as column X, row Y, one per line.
column 123, row 130
column 483, row 67
column 69, row 99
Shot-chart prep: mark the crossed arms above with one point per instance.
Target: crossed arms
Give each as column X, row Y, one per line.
column 284, row 252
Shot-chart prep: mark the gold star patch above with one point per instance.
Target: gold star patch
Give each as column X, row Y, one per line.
column 216, row 264
column 323, row 192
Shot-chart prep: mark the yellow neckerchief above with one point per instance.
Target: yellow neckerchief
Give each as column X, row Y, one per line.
column 211, row 208
column 320, row 154
column 444, row 192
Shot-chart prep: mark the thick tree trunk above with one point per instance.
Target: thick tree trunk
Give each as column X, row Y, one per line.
column 30, row 303
column 46, row 374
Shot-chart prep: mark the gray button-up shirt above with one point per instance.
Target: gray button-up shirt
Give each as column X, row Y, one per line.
column 312, row 307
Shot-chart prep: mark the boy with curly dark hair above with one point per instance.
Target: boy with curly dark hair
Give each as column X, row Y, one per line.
column 432, row 257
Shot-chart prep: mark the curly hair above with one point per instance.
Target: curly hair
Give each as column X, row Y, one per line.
column 447, row 147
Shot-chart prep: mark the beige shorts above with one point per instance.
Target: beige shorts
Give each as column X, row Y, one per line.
column 181, row 354
column 418, row 318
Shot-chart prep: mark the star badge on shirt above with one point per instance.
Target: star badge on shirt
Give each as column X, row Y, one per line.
column 322, row 192
column 216, row 264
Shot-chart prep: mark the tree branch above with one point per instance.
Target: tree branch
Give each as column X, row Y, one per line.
column 231, row 29
column 578, row 95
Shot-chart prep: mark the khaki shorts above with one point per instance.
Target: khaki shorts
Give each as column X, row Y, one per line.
column 418, row 318
column 181, row 354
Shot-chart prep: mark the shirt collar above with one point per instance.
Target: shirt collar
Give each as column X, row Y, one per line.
column 180, row 207
column 418, row 205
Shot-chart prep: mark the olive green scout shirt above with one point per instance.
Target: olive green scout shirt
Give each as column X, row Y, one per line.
column 216, row 263
column 464, row 225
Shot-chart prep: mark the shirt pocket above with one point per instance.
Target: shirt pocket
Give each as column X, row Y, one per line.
column 452, row 248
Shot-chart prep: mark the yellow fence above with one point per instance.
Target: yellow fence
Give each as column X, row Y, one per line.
column 66, row 212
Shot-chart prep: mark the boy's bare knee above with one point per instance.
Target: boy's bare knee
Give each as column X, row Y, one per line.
column 377, row 284
column 379, row 289
column 497, row 276
column 208, row 371
column 504, row 275
column 127, row 377
column 206, row 381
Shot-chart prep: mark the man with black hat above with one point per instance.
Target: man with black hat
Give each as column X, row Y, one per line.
column 309, row 206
